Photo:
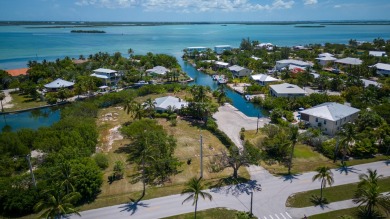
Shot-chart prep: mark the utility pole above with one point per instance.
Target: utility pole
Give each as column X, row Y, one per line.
column 31, row 171
column 201, row 155
column 257, row 128
column 251, row 203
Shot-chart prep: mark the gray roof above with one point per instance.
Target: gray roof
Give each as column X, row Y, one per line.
column 104, row 70
column 164, row 102
column 161, row 70
column 58, row 83
column 350, row 61
column 330, row 111
column 325, row 55
column 382, row 66
column 287, row 88
column 369, row 82
column 263, row 77
column 236, row 68
column 294, row 62
column 377, row 53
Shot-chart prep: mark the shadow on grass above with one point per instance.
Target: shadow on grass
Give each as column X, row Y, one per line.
column 344, row 168
column 133, row 206
column 235, row 187
column 125, row 149
column 318, row 201
column 289, row 177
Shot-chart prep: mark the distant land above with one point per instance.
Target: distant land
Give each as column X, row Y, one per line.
column 87, row 31
column 310, row 26
column 74, row 24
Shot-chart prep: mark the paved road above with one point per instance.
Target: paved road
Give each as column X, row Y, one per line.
column 267, row 204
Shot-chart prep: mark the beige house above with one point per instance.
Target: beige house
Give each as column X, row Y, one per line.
column 329, row 117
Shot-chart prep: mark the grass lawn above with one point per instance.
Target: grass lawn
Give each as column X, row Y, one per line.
column 23, row 102
column 332, row 194
column 213, row 213
column 352, row 212
column 187, row 136
column 305, row 158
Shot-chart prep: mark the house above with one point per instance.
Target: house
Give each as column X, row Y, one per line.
column 110, row 77
column 219, row 64
column 267, row 46
column 325, row 58
column 377, row 53
column 57, row 84
column 329, row 117
column 158, row 70
column 198, row 49
column 369, row 82
column 286, row 62
column 239, row 71
column 221, row 48
column 286, row 90
column 349, row 61
column 382, row 68
column 162, row 104
column 263, row 79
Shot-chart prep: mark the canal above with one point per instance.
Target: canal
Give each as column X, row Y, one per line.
column 47, row 116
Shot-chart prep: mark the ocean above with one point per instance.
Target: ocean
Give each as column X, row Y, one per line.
column 21, row 43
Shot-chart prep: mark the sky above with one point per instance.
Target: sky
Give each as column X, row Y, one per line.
column 193, row 10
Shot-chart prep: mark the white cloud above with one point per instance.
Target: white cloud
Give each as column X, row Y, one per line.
column 310, row 2
column 337, row 6
column 187, row 6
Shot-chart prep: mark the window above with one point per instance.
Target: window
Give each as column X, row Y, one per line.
column 324, row 122
column 316, row 119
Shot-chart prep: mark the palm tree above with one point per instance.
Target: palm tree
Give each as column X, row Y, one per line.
column 294, row 134
column 2, row 97
column 57, row 204
column 325, row 175
column 138, row 110
column 130, row 52
column 194, row 188
column 65, row 172
column 348, row 137
column 149, row 105
column 368, row 194
column 127, row 105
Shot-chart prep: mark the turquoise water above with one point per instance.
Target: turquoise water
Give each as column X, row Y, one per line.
column 18, row 44
column 31, row 119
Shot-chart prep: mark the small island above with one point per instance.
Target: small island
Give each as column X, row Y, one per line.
column 87, row 31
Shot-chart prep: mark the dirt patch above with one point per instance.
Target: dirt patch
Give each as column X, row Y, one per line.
column 114, row 134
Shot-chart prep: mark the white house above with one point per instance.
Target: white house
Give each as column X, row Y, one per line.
column 267, row 46
column 196, row 48
column 220, row 64
column 369, row 82
column 239, row 71
column 162, row 104
column 286, row 90
column 382, row 68
column 57, row 84
column 349, row 61
column 377, row 53
column 159, row 70
column 107, row 75
column 263, row 79
column 221, row 48
column 329, row 117
column 286, row 62
column 325, row 58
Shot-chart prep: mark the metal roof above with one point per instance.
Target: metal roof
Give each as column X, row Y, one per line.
column 382, row 66
column 165, row 102
column 104, row 70
column 350, row 61
column 161, row 70
column 236, row 68
column 263, row 77
column 287, row 88
column 294, row 62
column 331, row 111
column 58, row 83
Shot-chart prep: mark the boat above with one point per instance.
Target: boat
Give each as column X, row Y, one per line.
column 215, row 77
column 222, row 81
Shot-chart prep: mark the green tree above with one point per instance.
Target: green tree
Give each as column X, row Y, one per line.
column 348, row 138
column 57, row 204
column 149, row 106
column 194, row 189
column 368, row 194
column 325, row 176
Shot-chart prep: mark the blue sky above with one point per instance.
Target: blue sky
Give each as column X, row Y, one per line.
column 193, row 10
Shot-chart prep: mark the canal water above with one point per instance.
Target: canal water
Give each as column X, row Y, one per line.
column 47, row 116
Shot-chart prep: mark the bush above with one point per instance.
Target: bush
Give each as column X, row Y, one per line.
column 173, row 121
column 328, row 148
column 101, row 160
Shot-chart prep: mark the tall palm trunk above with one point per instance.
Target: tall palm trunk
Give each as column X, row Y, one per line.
column 196, row 206
column 322, row 186
column 291, row 157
